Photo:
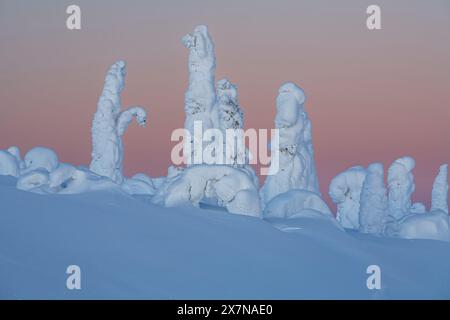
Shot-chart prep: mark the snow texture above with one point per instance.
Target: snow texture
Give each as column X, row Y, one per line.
column 401, row 187
column 8, row 164
column 233, row 188
column 345, row 190
column 439, row 194
column 109, row 125
column 200, row 97
column 373, row 201
column 297, row 168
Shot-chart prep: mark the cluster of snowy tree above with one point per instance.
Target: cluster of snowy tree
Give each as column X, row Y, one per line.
column 365, row 204
column 291, row 189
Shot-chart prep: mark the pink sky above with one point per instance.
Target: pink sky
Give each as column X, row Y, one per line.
column 372, row 95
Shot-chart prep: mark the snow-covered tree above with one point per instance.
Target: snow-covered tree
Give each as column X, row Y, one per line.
column 345, row 190
column 401, row 187
column 439, row 194
column 296, row 168
column 109, row 125
column 200, row 97
column 373, row 204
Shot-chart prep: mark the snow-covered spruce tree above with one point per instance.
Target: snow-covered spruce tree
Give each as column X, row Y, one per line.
column 110, row 123
column 231, row 118
column 373, row 203
column 296, row 156
column 401, row 187
column 345, row 190
column 200, row 97
column 439, row 194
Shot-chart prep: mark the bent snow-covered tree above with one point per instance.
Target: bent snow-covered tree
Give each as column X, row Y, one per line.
column 439, row 194
column 296, row 166
column 401, row 187
column 345, row 190
column 200, row 97
column 109, row 125
column 373, row 204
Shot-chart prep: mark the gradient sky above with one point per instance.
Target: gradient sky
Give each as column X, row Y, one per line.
column 372, row 95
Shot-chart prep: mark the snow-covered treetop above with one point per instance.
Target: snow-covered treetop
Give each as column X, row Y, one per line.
column 226, row 91
column 114, row 84
column 201, row 50
column 401, row 166
column 290, row 102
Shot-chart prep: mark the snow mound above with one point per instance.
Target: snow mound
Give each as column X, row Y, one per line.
column 41, row 158
column 289, row 203
column 32, row 181
column 233, row 188
column 432, row 226
column 8, row 164
column 439, row 194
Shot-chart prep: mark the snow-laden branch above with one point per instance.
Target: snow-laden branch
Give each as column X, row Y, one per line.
column 126, row 116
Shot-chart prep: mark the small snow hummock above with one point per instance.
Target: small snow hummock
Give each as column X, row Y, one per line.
column 345, row 190
column 373, row 202
column 401, row 187
column 233, row 188
column 41, row 158
column 296, row 157
column 109, row 125
column 8, row 164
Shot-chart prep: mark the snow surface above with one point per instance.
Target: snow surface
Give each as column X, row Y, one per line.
column 129, row 248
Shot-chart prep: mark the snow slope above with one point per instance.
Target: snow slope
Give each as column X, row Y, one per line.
column 129, row 248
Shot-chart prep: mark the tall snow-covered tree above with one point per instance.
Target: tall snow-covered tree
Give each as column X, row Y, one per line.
column 401, row 187
column 373, row 203
column 200, row 97
column 439, row 194
column 297, row 168
column 345, row 190
column 110, row 123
